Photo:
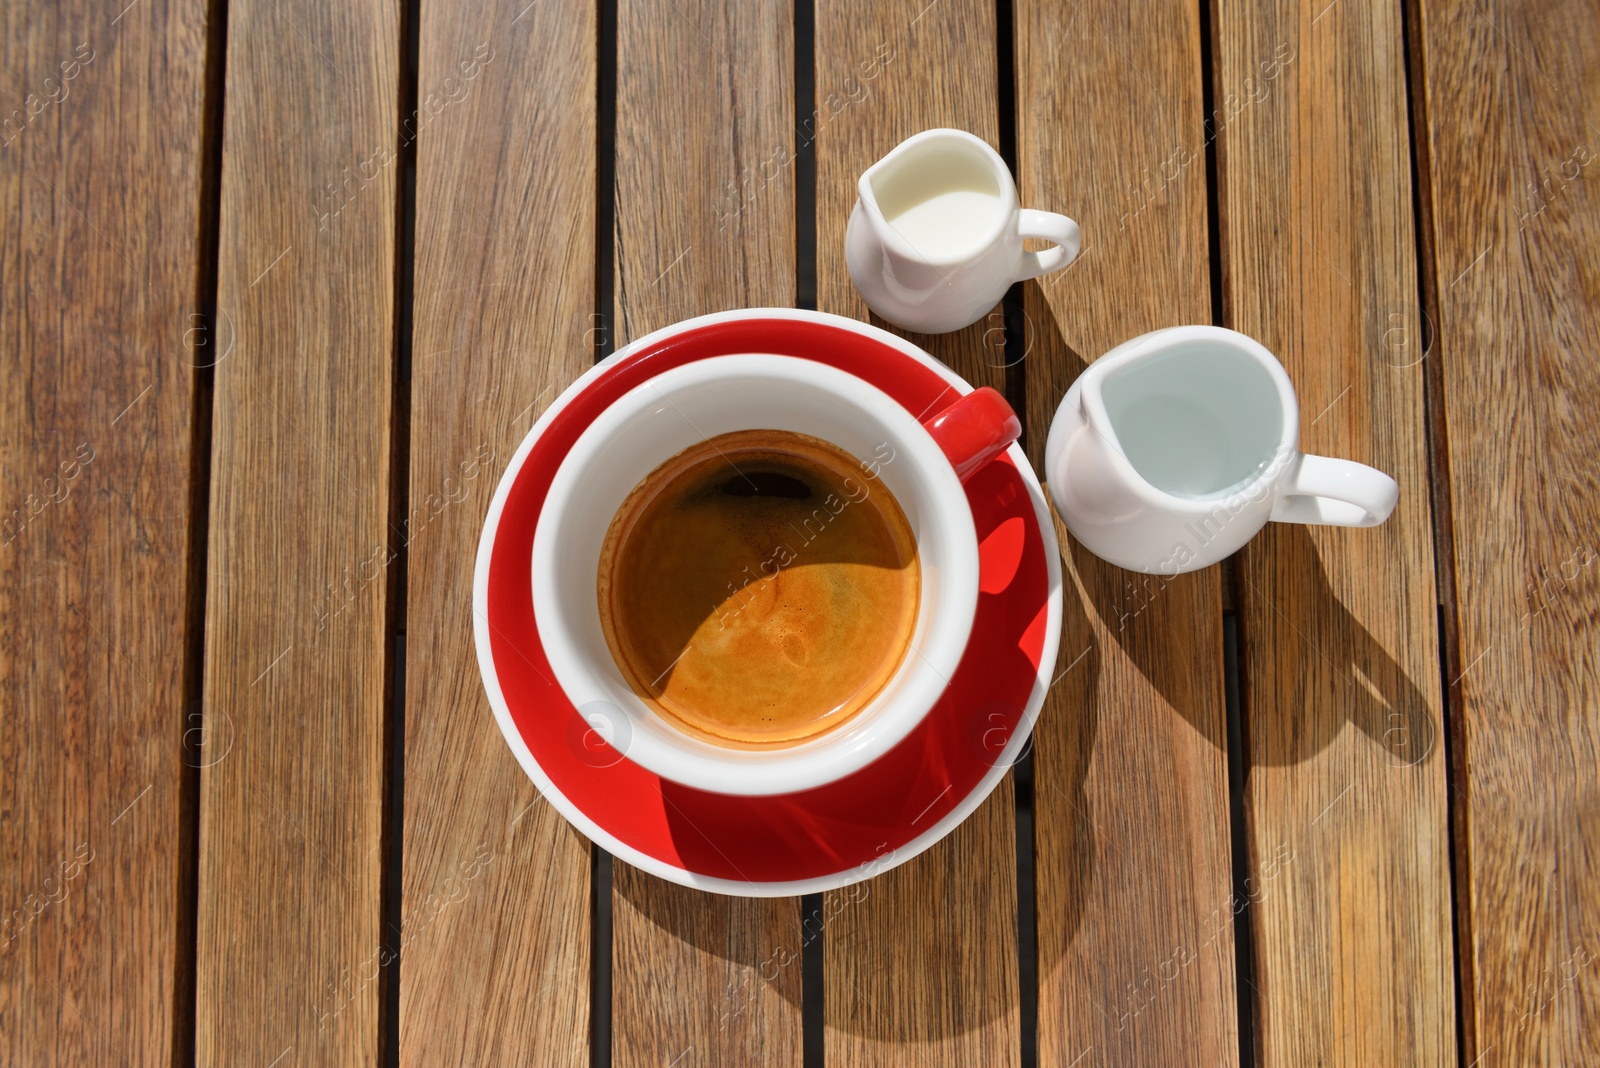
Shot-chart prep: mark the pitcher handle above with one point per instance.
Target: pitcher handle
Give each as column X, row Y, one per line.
column 1339, row 493
column 1047, row 226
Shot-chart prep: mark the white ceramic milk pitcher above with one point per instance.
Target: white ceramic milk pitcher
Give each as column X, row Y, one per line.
column 935, row 239
column 1172, row 450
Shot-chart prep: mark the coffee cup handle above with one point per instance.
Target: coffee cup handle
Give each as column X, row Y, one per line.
column 1337, row 493
column 974, row 430
column 1047, row 226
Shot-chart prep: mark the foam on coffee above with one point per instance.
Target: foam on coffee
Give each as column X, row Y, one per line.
column 759, row 588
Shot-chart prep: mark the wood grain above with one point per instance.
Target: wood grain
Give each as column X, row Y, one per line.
column 1136, row 942
column 495, row 924
column 920, row 963
column 705, row 148
column 296, row 653
column 704, row 222
column 881, row 76
column 100, row 171
column 1338, row 627
column 1511, row 130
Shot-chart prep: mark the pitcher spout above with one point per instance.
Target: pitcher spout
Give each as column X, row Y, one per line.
column 1082, row 461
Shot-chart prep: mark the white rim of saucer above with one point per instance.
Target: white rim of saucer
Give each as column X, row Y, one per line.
column 683, row 876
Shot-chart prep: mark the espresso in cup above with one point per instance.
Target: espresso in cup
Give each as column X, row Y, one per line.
column 759, row 588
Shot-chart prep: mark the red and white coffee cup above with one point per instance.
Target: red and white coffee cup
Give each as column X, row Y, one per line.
column 921, row 462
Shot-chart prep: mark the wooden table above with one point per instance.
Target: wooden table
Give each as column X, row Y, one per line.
column 283, row 285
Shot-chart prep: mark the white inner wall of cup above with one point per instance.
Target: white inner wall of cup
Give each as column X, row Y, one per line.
column 930, row 167
column 702, row 400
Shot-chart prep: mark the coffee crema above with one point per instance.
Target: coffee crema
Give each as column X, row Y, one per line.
column 759, row 588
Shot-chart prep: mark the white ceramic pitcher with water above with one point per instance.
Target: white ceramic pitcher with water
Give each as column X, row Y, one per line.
column 935, row 239
column 1172, row 450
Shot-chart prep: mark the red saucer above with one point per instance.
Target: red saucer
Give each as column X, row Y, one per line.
column 836, row 834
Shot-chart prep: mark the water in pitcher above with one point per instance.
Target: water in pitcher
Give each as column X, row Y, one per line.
column 1195, row 421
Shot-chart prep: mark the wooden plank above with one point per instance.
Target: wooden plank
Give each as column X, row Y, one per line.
column 297, row 597
column 1512, row 131
column 701, row 976
column 495, row 922
column 704, row 222
column 1136, row 942
column 100, row 170
column 882, row 76
column 1338, row 627
column 920, row 964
